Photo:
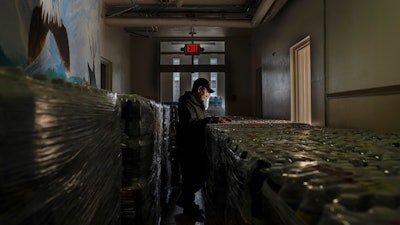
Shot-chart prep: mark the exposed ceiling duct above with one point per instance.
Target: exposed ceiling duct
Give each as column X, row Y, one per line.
column 245, row 14
column 184, row 2
column 140, row 22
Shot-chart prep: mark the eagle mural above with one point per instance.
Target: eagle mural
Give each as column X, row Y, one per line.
column 47, row 18
column 57, row 37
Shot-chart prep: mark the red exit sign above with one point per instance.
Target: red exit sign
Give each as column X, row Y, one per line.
column 192, row 49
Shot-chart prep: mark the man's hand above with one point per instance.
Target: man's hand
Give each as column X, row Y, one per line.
column 223, row 120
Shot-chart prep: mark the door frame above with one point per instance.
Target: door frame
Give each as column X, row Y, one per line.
column 106, row 74
column 259, row 100
column 296, row 92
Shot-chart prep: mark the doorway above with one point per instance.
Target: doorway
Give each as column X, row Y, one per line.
column 259, row 88
column 106, row 74
column 300, row 81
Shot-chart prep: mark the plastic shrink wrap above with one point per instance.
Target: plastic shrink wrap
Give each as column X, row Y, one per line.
column 60, row 159
column 144, row 145
column 276, row 172
column 165, row 162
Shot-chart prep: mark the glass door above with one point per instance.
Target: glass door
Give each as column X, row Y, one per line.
column 178, row 71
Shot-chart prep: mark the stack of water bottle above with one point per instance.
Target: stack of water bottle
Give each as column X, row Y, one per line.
column 325, row 176
column 59, row 152
column 215, row 106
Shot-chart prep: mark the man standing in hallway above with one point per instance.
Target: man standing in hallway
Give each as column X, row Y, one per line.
column 191, row 143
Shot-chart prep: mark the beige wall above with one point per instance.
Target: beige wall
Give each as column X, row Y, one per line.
column 271, row 43
column 144, row 61
column 377, row 113
column 240, row 91
column 354, row 46
column 362, row 46
column 114, row 46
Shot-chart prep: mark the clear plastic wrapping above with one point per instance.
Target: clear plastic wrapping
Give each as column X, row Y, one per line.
column 60, row 159
column 145, row 126
column 300, row 174
column 165, row 162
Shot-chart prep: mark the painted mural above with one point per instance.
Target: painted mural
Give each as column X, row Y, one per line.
column 57, row 37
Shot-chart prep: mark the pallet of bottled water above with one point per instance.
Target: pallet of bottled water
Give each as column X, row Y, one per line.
column 286, row 173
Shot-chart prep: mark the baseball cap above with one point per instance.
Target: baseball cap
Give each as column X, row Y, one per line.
column 203, row 83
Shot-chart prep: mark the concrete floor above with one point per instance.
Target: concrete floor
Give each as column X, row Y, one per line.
column 175, row 214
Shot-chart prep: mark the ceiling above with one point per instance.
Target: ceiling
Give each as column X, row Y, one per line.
column 189, row 18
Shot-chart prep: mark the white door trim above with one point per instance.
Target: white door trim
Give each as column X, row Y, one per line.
column 300, row 82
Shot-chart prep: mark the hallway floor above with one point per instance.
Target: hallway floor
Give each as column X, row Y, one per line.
column 175, row 214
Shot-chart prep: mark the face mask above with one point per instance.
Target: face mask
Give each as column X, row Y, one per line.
column 206, row 102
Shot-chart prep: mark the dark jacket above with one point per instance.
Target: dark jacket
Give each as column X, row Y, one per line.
column 192, row 123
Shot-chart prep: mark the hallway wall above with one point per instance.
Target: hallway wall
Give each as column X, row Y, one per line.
column 354, row 47
column 272, row 41
column 145, row 63
column 114, row 47
column 362, row 75
column 240, row 94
